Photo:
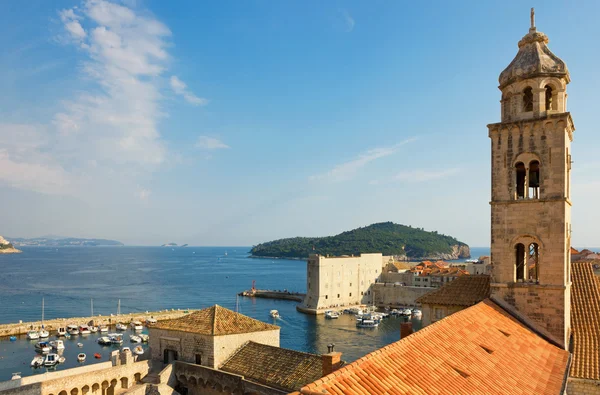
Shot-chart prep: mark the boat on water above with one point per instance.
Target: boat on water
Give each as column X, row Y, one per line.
column 62, row 331
column 37, row 361
column 93, row 329
column 97, row 355
column 116, row 338
column 274, row 314
column 136, row 325
column 61, row 359
column 72, row 330
column 84, row 330
column 366, row 323
column 139, row 350
column 121, row 327
column 80, row 345
column 150, row 321
column 144, row 337
column 16, row 376
column 43, row 333
column 353, row 310
column 332, row 314
column 406, row 312
column 51, row 359
column 126, row 349
column 13, row 338
column 57, row 344
column 104, row 340
column 135, row 339
column 43, row 347
column 417, row 313
column 81, row 357
column 33, row 335
column 103, row 329
column 395, row 312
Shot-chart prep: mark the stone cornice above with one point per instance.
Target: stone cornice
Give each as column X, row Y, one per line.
column 522, row 123
column 530, row 201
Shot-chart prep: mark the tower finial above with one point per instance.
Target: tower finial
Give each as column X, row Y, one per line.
column 532, row 18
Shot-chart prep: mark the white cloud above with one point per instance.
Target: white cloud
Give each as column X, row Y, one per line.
column 180, row 88
column 210, row 143
column 347, row 170
column 143, row 194
column 348, row 21
column 425, row 175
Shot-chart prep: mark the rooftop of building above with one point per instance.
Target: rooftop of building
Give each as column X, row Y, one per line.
column 275, row 367
column 445, row 271
column 215, row 321
column 479, row 350
column 585, row 321
column 464, row 291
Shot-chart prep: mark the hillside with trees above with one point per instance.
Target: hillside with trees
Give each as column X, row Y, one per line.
column 386, row 237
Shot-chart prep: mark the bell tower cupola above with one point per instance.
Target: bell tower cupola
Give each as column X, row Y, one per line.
column 530, row 197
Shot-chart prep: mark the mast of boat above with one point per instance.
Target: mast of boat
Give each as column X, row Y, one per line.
column 92, row 303
column 237, row 303
column 42, row 312
column 119, row 307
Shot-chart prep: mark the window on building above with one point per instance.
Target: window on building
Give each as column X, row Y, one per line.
column 362, row 293
column 548, row 98
column 350, row 293
column 534, row 179
column 532, row 262
column 350, row 284
column 368, row 292
column 520, row 262
column 198, row 359
column 338, row 296
column 520, row 173
column 326, row 296
column 438, row 313
column 528, row 99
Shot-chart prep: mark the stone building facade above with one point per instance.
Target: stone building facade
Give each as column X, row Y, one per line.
column 340, row 281
column 531, row 191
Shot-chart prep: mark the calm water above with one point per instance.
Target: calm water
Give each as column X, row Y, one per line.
column 157, row 278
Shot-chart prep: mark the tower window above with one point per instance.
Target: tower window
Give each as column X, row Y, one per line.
column 520, row 262
column 528, row 99
column 532, row 262
column 548, row 98
column 520, row 180
column 534, row 179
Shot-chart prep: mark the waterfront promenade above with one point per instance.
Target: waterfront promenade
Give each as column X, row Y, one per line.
column 22, row 328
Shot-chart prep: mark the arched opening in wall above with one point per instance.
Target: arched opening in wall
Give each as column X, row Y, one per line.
column 548, row 90
column 520, row 175
column 74, row 391
column 111, row 390
column 95, row 388
column 198, row 359
column 528, row 99
column 533, row 259
column 104, row 387
column 137, row 377
column 169, row 356
column 124, row 382
column 534, row 179
column 85, row 389
column 520, row 262
column 62, row 393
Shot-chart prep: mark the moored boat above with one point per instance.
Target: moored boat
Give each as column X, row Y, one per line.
column 43, row 333
column 33, row 335
column 72, row 330
column 274, row 314
column 16, row 376
column 84, row 330
column 135, row 339
column 121, row 327
column 116, row 338
column 37, row 361
column 51, row 359
column 81, row 357
column 62, row 331
column 332, row 314
column 43, row 347
column 136, row 325
column 139, row 350
column 417, row 313
column 80, row 345
column 57, row 344
column 13, row 338
column 144, row 337
column 406, row 312
column 61, row 359
column 104, row 340
column 150, row 321
column 366, row 323
column 103, row 329
column 97, row 355
column 93, row 329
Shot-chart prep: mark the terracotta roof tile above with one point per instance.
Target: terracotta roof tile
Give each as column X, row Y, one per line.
column 448, row 358
column 585, row 321
column 464, row 291
column 215, row 321
column 275, row 367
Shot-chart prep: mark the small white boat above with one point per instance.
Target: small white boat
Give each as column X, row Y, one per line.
column 57, row 344
column 332, row 314
column 116, row 338
column 81, row 357
column 365, row 323
column 84, row 330
column 274, row 314
column 395, row 312
column 93, row 329
column 121, row 327
column 417, row 313
column 37, row 361
column 126, row 349
column 61, row 332
column 104, row 340
column 144, row 337
column 138, row 350
column 80, row 345
column 406, row 312
column 150, row 321
column 135, row 339
column 43, row 333
column 61, row 359
column 16, row 376
column 103, row 329
column 136, row 325
column 33, row 335
column 51, row 360
column 43, row 347
column 72, row 330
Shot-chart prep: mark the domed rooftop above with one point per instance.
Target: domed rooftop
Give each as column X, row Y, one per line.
column 534, row 59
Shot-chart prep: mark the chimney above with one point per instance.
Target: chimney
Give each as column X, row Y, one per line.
column 331, row 361
column 405, row 329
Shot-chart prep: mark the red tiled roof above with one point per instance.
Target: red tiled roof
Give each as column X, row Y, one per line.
column 479, row 350
column 585, row 321
column 464, row 291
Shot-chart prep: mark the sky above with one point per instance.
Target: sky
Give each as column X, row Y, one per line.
column 237, row 122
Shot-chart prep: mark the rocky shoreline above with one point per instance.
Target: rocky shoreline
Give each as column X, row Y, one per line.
column 10, row 250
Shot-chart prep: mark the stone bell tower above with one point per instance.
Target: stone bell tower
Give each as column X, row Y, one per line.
column 531, row 189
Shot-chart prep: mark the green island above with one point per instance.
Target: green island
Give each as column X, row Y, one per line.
column 386, row 237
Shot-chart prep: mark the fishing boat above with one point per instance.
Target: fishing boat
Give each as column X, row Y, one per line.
column 274, row 314
column 80, row 345
column 37, row 361
column 57, row 344
column 116, row 338
column 43, row 347
column 62, row 331
column 51, row 360
column 332, row 314
column 103, row 329
column 144, row 337
column 93, row 329
column 135, row 339
column 150, row 321
column 84, row 330
column 366, row 323
column 139, row 350
column 72, row 330
column 81, row 357
column 121, row 327
column 104, row 340
column 97, row 355
column 136, row 325
column 33, row 335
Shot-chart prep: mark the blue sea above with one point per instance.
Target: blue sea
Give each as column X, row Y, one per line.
column 158, row 278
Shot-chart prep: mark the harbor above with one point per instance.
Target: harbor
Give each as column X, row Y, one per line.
column 271, row 294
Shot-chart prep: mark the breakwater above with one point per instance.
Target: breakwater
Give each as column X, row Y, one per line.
column 22, row 328
column 271, row 294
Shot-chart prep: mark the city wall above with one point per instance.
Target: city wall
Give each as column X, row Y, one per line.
column 387, row 294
